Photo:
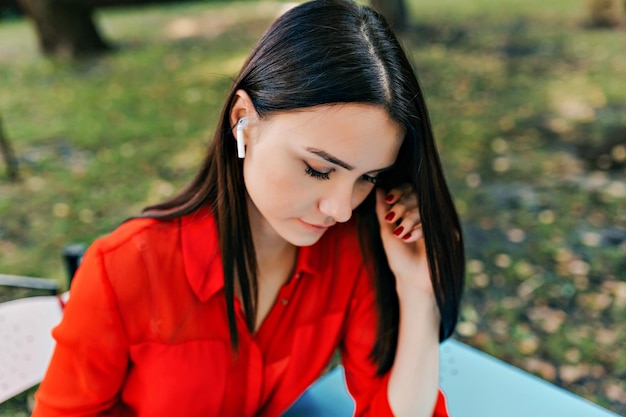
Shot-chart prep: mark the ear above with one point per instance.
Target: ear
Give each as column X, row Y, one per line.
column 242, row 107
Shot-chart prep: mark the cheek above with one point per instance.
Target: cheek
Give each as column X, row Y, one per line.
column 274, row 186
column 360, row 194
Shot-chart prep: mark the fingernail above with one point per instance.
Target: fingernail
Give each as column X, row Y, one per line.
column 398, row 231
column 389, row 217
column 407, row 236
column 389, row 198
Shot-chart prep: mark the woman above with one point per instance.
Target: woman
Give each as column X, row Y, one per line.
column 320, row 220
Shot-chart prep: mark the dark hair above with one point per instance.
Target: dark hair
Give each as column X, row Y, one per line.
column 320, row 53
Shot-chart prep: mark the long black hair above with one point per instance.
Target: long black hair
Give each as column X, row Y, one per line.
column 319, row 53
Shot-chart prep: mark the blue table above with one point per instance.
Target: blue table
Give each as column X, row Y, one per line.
column 475, row 384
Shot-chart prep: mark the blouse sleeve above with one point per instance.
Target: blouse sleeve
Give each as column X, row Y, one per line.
column 90, row 359
column 368, row 390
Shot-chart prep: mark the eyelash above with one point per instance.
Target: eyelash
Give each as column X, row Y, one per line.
column 371, row 180
column 326, row 175
column 316, row 174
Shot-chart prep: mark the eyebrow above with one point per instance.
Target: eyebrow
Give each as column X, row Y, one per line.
column 333, row 160
column 330, row 158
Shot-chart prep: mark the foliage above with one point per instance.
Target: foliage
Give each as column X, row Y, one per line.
column 531, row 120
column 527, row 103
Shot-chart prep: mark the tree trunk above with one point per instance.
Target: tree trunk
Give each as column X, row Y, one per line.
column 65, row 28
column 605, row 13
column 8, row 156
column 395, row 12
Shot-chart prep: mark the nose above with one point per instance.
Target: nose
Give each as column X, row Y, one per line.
column 337, row 204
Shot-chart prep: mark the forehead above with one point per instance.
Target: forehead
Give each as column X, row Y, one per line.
column 362, row 134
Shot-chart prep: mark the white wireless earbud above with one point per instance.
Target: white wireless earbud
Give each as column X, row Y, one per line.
column 241, row 145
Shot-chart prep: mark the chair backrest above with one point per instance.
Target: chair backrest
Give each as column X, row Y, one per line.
column 26, row 342
column 31, row 285
column 73, row 256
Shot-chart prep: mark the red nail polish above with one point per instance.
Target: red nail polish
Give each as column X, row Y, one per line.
column 398, row 231
column 407, row 236
column 389, row 198
column 389, row 217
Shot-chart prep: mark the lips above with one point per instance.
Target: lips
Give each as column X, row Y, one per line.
column 315, row 227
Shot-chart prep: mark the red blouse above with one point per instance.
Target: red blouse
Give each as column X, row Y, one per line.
column 145, row 332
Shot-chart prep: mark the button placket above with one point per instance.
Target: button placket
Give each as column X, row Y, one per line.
column 255, row 379
column 287, row 290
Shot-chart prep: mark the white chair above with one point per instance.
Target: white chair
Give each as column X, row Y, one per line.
column 26, row 342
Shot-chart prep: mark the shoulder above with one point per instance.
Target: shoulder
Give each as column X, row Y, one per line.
column 125, row 255
column 147, row 253
column 152, row 243
column 128, row 231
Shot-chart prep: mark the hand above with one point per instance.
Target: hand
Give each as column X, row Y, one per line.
column 403, row 239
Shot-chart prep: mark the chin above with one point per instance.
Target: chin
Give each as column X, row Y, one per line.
column 304, row 242
column 303, row 239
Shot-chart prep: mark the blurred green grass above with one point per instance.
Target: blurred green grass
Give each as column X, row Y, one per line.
column 528, row 104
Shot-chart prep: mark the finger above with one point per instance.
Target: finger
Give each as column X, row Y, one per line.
column 404, row 208
column 382, row 207
column 414, row 235
column 409, row 230
column 395, row 194
column 383, row 212
column 401, row 253
column 408, row 223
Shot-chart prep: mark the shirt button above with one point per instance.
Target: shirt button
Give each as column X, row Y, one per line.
column 284, row 301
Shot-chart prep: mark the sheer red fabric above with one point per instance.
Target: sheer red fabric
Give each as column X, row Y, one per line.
column 145, row 331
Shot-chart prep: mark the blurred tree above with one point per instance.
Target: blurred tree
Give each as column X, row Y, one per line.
column 605, row 13
column 8, row 156
column 65, row 28
column 395, row 11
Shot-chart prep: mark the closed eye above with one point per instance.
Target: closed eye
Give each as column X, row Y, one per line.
column 310, row 171
column 370, row 179
column 316, row 174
